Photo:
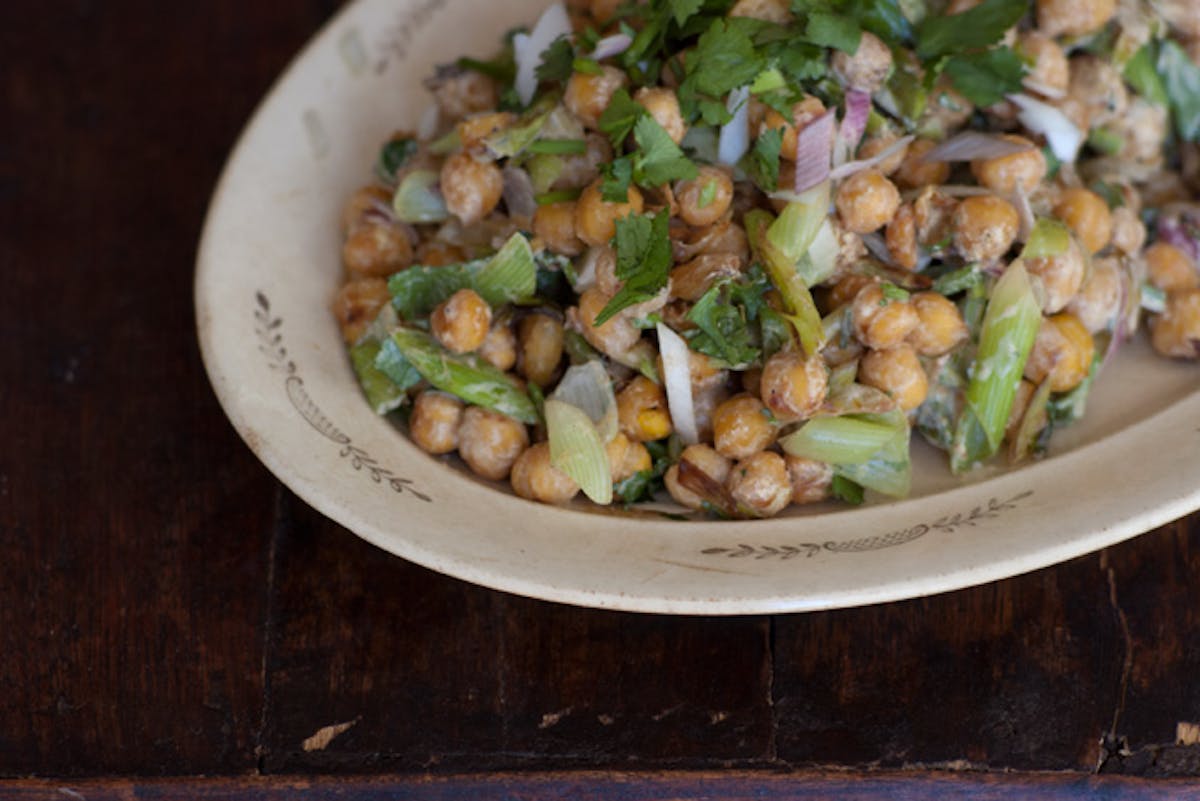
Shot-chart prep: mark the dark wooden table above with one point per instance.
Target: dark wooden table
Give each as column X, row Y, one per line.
column 168, row 609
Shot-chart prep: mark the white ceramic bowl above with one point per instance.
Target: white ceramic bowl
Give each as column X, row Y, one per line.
column 268, row 267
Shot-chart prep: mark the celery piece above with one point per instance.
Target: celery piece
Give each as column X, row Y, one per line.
column 784, row 275
column 384, row 394
column 418, row 200
column 1009, row 327
column 510, row 275
column 577, row 450
column 466, row 376
column 838, row 440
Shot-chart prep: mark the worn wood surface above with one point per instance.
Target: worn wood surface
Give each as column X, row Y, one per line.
column 166, row 608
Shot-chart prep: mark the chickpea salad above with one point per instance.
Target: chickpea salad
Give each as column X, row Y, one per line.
column 738, row 253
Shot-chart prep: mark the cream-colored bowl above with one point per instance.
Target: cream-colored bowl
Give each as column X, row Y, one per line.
column 268, row 267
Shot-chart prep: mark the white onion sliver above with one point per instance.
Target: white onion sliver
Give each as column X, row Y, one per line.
column 814, row 149
column 611, row 46
column 588, row 387
column 585, row 270
column 972, row 145
column 527, row 49
column 677, row 376
column 851, row 167
column 1061, row 134
column 735, row 134
column 1020, row 201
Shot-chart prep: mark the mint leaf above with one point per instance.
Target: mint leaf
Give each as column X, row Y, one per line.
column 619, row 117
column 833, row 30
column 643, row 245
column 981, row 26
column 558, row 61
column 762, row 162
column 1182, row 80
column 987, row 76
column 660, row 160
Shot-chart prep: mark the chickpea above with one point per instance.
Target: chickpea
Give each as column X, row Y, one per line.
column 897, row 372
column 794, row 387
column 490, row 442
column 940, row 328
column 642, row 410
column 1058, row 276
column 690, row 281
column 1025, row 392
column 705, row 401
column 603, row 10
column 588, row 95
column 1073, row 17
column 1062, row 352
column 803, row 112
column 474, row 129
column 723, row 236
column 947, row 109
column 915, row 172
column 811, row 480
column 625, row 457
column 376, row 250
column 1004, row 174
column 1176, row 332
column 846, row 289
column 436, row 253
column 461, row 322
column 704, row 199
column 703, row 458
column 365, row 204
column 868, row 68
column 742, row 426
column 933, row 212
column 760, row 484
column 535, row 478
column 901, row 237
column 1143, row 129
column 581, row 169
column 1169, row 268
column 554, row 224
column 776, row 11
column 874, row 145
column 881, row 322
column 472, row 189
column 1087, row 215
column 460, row 93
column 541, row 348
column 985, row 227
column 435, row 419
column 616, row 335
column 1099, row 299
column 663, row 106
column 356, row 305
column 1049, row 69
column 1099, row 87
column 1128, row 232
column 596, row 218
column 866, row 201
column 500, row 348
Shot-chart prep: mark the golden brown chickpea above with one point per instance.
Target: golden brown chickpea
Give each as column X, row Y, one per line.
column 1128, row 233
column 1058, row 276
column 1062, row 351
column 500, row 348
column 810, row 479
column 663, row 106
column 691, row 280
column 376, row 250
column 707, row 460
column 901, row 237
column 742, row 426
column 881, row 322
column 915, row 171
column 626, row 458
column 704, row 199
column 1087, row 215
column 1176, row 332
column 868, row 68
column 461, row 322
column 1098, row 301
column 541, row 348
column 874, row 145
column 356, row 305
column 490, row 442
column 1004, row 174
column 794, row 387
column 846, row 289
column 366, row 203
column 596, row 218
column 1169, row 268
column 947, row 109
column 435, row 419
column 866, row 201
column 1049, row 70
column 472, row 189
column 760, row 484
column 1025, row 392
column 588, row 95
column 616, row 335
column 475, row 128
column 463, row 92
column 642, row 410
column 436, row 253
column 535, row 478
column 985, row 227
column 897, row 372
column 1073, row 17
column 933, row 212
column 803, row 112
column 554, row 224
column 941, row 328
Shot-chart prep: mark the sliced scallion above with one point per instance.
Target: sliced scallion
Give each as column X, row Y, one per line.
column 510, row 275
column 577, row 450
column 418, row 200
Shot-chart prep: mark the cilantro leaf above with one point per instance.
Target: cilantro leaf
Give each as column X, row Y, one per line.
column 643, row 245
column 762, row 162
column 619, row 117
column 618, row 174
column 833, row 30
column 987, row 76
column 725, row 57
column 1182, row 80
column 683, row 10
column 884, row 18
column 558, row 61
column 978, row 27
column 723, row 331
column 660, row 160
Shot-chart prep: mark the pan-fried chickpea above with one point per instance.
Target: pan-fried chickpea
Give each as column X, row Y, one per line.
column 616, row 335
column 1004, row 174
column 1087, row 215
column 985, row 227
column 1073, row 17
column 846, row 289
column 897, row 372
column 705, row 459
column 866, row 201
column 1098, row 86
column 626, row 457
column 803, row 112
column 881, row 322
column 868, row 68
column 366, row 203
column 1062, row 352
column 874, row 145
column 356, row 305
column 691, row 280
column 901, row 237
column 642, row 410
column 663, row 106
column 376, row 250
column 1098, row 301
column 704, row 199
column 463, row 92
column 461, row 322
column 490, row 442
column 554, row 224
column 435, row 419
column 473, row 129
column 436, row 253
column 1169, row 268
column 596, row 218
column 793, row 387
column 1058, row 276
column 535, row 478
column 500, row 347
column 1128, row 232
column 742, row 426
column 940, row 329
column 760, row 483
column 1048, row 68
column 541, row 348
column 915, row 172
column 580, row 169
column 1176, row 332
column 811, row 480
column 472, row 189
column 588, row 95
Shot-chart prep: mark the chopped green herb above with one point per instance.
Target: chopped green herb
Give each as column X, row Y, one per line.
column 761, row 163
column 1141, row 73
column 660, row 160
column 981, row 26
column 502, row 68
column 619, row 117
column 618, row 174
column 644, row 261
column 588, row 66
column 846, row 490
column 1181, row 76
column 558, row 61
column 723, row 328
column 833, row 30
column 394, row 155
column 985, row 77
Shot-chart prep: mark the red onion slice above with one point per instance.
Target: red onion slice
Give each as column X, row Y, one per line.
column 851, row 167
column 611, row 46
column 814, row 149
column 972, row 145
column 854, row 122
